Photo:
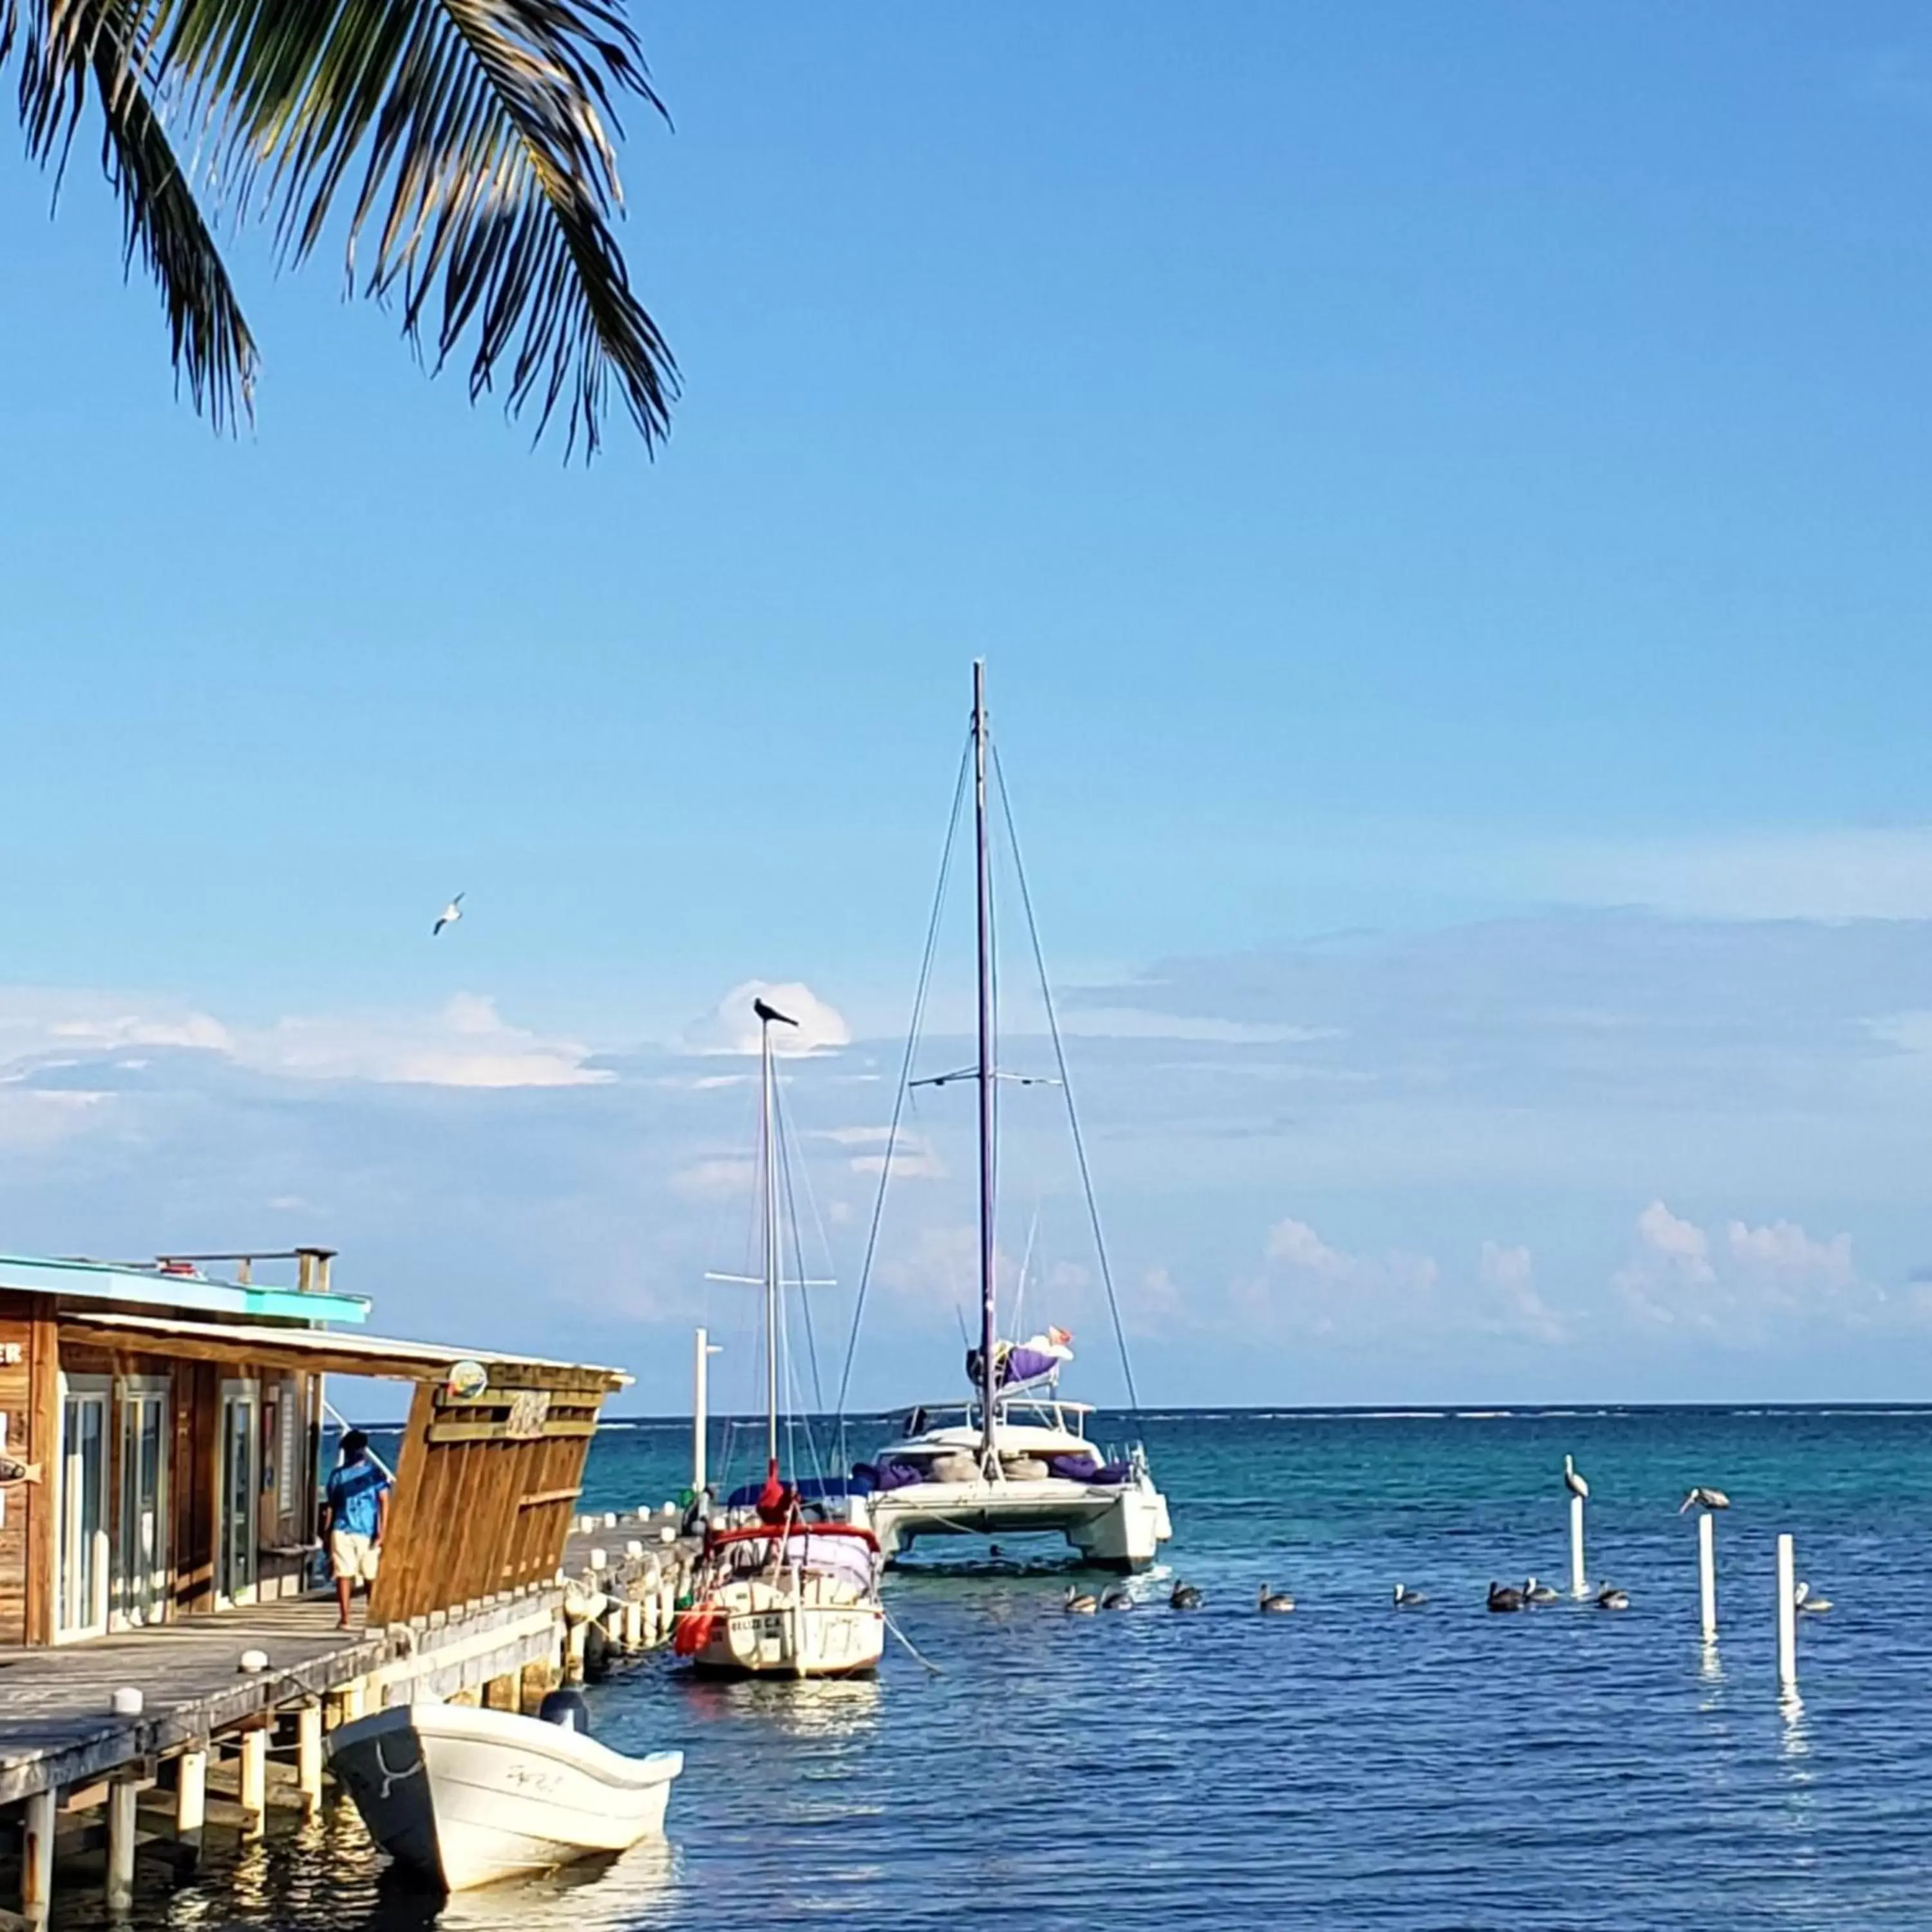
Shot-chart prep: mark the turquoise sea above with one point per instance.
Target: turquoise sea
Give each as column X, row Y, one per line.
column 1347, row 1765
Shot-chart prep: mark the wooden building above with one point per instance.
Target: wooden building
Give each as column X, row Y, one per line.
column 176, row 1420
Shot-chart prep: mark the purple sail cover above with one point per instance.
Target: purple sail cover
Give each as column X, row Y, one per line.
column 1023, row 1364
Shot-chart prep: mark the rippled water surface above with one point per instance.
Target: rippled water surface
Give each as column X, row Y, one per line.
column 1347, row 1766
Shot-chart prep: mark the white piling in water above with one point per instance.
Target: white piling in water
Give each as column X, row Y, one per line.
column 1579, row 1582
column 1707, row 1574
column 1787, row 1612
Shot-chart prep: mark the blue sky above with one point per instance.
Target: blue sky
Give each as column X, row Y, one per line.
column 1451, row 479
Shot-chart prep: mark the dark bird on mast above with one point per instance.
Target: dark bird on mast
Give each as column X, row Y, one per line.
column 765, row 1012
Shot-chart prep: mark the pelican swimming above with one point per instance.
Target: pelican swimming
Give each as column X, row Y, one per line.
column 1080, row 1603
column 1184, row 1597
column 1700, row 1498
column 1406, row 1599
column 1609, row 1597
column 1533, row 1592
column 1274, row 1601
column 1502, row 1598
column 1807, row 1605
column 1572, row 1481
column 1116, row 1597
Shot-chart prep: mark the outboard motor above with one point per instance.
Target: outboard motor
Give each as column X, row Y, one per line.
column 566, row 1707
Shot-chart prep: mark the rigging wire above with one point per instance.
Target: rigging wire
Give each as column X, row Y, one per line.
column 1067, row 1086
column 903, row 1087
column 785, row 1165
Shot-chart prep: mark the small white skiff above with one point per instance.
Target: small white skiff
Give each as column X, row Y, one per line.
column 463, row 1797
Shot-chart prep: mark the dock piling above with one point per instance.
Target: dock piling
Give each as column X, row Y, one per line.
column 252, row 1789
column 124, row 1799
column 1707, row 1574
column 37, row 1856
column 190, row 1803
column 1787, row 1612
column 1579, row 1576
column 308, row 1758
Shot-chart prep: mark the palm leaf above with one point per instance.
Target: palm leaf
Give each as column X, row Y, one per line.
column 476, row 137
column 66, row 52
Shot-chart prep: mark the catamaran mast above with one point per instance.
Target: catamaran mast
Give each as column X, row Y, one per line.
column 766, row 1016
column 989, row 1461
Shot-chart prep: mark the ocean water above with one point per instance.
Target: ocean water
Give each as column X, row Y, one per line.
column 1347, row 1765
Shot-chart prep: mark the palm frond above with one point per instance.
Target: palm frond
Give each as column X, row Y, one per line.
column 72, row 47
column 482, row 132
column 476, row 137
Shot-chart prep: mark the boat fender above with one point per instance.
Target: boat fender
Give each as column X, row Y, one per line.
column 693, row 1631
column 568, row 1708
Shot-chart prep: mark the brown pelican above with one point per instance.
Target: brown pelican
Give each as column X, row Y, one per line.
column 1502, row 1598
column 1406, row 1599
column 1116, row 1597
column 1609, row 1597
column 1807, row 1605
column 1572, row 1481
column 1276, row 1601
column 1700, row 1498
column 1080, row 1603
column 1185, row 1596
column 1533, row 1592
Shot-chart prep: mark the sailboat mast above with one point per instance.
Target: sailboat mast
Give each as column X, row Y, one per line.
column 987, row 1074
column 771, row 1176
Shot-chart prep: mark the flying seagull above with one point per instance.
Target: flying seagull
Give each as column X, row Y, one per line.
column 451, row 912
column 1700, row 1498
column 769, row 1013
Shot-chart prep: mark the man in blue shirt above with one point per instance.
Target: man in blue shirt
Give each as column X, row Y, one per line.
column 356, row 1511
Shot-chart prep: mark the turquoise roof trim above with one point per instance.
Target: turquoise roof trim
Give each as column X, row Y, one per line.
column 148, row 1287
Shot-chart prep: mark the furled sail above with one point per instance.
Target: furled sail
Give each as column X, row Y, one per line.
column 1035, row 1362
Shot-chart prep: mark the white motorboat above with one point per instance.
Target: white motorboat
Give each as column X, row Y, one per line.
column 1015, row 1458
column 462, row 1797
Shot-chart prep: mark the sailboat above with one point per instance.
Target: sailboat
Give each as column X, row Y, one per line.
column 786, row 1594
column 1014, row 1456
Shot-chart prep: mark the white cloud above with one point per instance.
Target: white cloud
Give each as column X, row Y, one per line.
column 734, row 1027
column 1309, row 1287
column 711, row 1179
column 1736, row 1290
column 1510, row 1276
column 467, row 1044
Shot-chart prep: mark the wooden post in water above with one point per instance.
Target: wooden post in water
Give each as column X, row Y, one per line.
column 190, row 1804
column 1787, row 1612
column 124, row 1798
column 37, row 1856
column 308, row 1758
column 252, row 1786
column 1707, row 1574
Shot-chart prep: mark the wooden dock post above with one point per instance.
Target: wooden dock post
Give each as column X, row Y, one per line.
column 124, row 1799
column 36, row 1857
column 190, row 1804
column 1707, row 1574
column 252, row 1788
column 308, row 1758
column 573, row 1651
column 1787, row 1612
column 633, row 1625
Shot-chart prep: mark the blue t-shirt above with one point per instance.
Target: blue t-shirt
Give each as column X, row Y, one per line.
column 353, row 1491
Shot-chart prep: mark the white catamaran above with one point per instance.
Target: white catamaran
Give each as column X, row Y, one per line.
column 1015, row 1457
column 785, row 1594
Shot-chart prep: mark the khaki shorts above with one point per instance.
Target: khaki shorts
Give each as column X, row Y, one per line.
column 352, row 1556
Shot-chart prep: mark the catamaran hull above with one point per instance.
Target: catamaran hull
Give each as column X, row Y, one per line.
column 461, row 1798
column 795, row 1640
column 1112, row 1528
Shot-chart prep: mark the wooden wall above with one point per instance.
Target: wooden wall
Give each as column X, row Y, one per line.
column 485, row 1489
column 29, row 1400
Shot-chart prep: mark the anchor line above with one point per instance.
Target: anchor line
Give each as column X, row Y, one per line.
column 936, row 1670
